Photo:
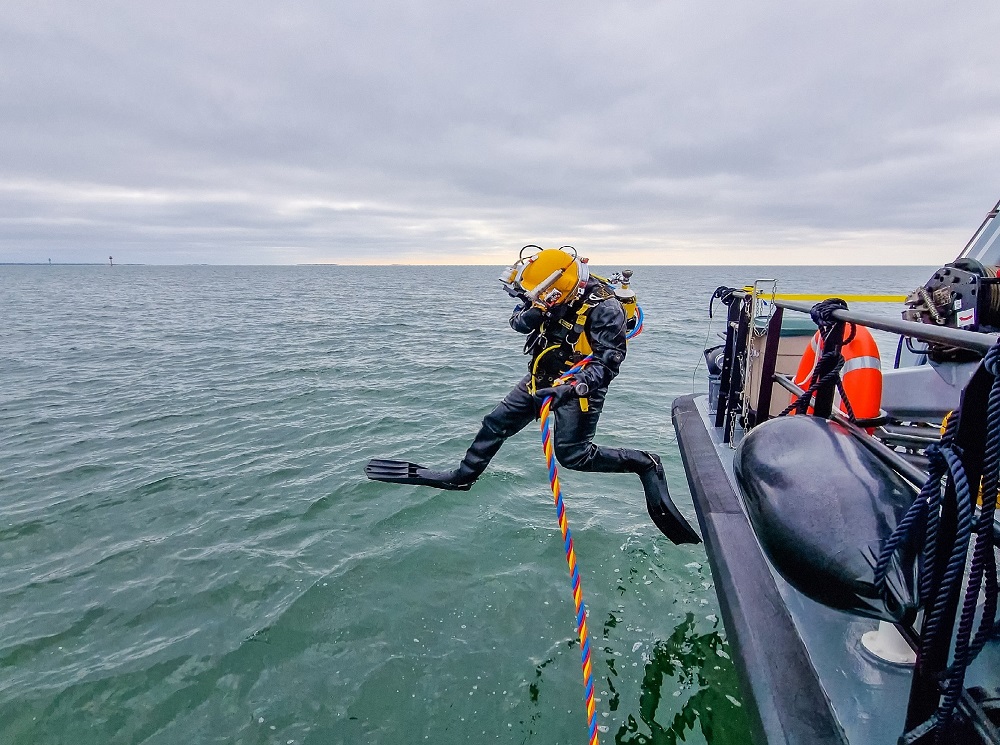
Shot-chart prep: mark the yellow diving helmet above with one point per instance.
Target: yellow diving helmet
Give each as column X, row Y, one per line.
column 546, row 277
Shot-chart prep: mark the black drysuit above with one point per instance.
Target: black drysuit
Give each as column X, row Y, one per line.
column 550, row 339
column 574, row 427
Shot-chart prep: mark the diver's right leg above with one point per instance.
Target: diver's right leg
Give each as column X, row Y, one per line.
column 511, row 415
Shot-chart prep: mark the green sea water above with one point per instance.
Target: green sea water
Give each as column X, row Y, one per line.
column 190, row 552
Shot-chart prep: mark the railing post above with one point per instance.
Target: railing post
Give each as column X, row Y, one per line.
column 728, row 362
column 762, row 410
column 824, row 396
column 736, row 381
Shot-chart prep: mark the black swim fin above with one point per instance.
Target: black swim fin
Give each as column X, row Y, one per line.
column 662, row 511
column 402, row 472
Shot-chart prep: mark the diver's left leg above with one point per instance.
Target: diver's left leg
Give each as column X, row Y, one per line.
column 574, row 446
column 516, row 411
column 574, row 449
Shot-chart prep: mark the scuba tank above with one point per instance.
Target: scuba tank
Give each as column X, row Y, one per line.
column 626, row 296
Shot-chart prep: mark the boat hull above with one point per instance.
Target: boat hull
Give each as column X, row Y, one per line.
column 804, row 674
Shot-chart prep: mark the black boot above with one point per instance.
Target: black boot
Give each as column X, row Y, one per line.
column 450, row 480
column 510, row 416
column 477, row 457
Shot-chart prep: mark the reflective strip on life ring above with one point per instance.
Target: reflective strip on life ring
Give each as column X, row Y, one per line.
column 861, row 374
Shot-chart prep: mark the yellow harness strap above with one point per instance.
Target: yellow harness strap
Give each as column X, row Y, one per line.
column 581, row 345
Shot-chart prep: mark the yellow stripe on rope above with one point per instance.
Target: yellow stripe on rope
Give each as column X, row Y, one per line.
column 581, row 611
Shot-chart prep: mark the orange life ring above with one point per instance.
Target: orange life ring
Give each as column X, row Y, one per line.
column 861, row 373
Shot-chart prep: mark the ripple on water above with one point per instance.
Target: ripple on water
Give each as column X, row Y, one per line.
column 191, row 551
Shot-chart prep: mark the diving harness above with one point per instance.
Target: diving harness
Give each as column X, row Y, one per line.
column 556, row 282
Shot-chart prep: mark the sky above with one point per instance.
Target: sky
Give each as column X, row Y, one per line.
column 456, row 131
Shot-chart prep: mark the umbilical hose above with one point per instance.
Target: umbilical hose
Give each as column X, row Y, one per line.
column 574, row 572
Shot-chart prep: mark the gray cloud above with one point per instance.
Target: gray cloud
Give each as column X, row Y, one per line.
column 667, row 132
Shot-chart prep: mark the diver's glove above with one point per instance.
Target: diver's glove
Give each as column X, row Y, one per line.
column 530, row 315
column 560, row 394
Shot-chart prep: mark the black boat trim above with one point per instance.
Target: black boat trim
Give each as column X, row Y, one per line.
column 782, row 692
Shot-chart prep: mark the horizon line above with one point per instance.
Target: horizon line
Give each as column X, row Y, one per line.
column 408, row 264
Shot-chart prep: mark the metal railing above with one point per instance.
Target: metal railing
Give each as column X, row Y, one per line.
column 975, row 341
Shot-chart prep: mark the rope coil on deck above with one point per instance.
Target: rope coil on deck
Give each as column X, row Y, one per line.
column 946, row 463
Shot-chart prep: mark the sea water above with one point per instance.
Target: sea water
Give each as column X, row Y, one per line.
column 190, row 552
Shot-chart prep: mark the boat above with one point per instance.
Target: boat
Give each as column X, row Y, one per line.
column 854, row 552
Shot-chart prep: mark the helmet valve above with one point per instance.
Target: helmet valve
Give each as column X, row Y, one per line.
column 623, row 278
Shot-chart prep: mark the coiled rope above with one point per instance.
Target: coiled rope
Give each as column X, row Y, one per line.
column 983, row 569
column 924, row 516
column 574, row 571
column 727, row 295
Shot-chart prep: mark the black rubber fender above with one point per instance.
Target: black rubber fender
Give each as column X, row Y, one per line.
column 822, row 505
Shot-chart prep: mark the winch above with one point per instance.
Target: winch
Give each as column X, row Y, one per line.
column 963, row 294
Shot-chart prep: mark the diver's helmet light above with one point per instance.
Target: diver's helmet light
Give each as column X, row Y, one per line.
column 508, row 277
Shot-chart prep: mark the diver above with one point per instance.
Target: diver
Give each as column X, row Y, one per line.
column 567, row 315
